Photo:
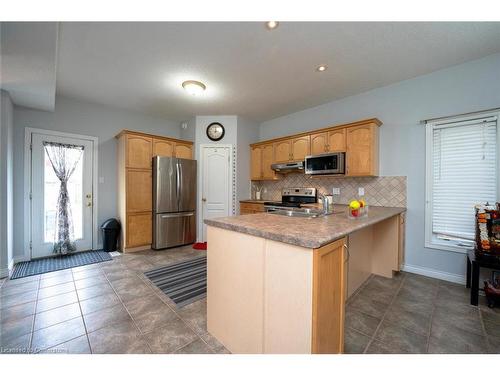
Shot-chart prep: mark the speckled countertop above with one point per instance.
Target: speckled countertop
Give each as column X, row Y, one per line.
column 305, row 232
column 260, row 201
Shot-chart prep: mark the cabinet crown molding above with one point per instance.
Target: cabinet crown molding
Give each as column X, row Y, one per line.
column 374, row 120
column 133, row 132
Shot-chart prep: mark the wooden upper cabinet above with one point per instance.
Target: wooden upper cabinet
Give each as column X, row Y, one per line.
column 283, row 151
column 256, row 163
column 362, row 150
column 139, row 151
column 139, row 190
column 319, row 143
column 337, row 140
column 183, row 151
column 301, row 147
column 163, row 148
column 267, row 161
column 359, row 140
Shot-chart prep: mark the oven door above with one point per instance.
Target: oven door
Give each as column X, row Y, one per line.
column 333, row 163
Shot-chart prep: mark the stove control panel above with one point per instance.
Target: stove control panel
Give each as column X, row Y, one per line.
column 299, row 192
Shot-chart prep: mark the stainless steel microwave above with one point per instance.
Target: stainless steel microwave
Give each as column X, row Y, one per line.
column 333, row 163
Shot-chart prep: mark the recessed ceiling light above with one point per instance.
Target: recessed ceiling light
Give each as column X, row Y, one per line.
column 321, row 68
column 194, row 87
column 271, row 25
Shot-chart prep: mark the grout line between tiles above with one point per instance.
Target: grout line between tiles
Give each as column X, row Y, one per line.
column 34, row 316
column 385, row 313
column 81, row 311
column 128, row 312
column 434, row 307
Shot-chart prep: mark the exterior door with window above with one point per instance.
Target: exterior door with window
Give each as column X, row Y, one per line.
column 45, row 189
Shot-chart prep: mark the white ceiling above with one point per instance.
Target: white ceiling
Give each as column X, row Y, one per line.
column 249, row 70
column 28, row 63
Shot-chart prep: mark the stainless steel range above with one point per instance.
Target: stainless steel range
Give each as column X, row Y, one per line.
column 292, row 198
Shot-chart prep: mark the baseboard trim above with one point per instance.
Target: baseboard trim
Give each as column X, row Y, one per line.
column 4, row 272
column 429, row 272
column 21, row 258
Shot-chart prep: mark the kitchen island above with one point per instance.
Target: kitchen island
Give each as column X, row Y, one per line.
column 278, row 284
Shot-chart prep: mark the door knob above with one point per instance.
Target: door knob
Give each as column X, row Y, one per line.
column 88, row 196
column 203, row 199
column 89, row 204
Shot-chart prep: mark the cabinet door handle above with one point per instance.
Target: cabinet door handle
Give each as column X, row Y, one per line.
column 348, row 253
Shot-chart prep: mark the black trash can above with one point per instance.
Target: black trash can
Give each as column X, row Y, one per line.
column 110, row 232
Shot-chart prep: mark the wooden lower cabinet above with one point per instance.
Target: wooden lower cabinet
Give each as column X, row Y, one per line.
column 139, row 229
column 251, row 208
column 402, row 237
column 329, row 286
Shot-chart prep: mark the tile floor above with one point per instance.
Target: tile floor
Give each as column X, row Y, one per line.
column 111, row 307
column 107, row 307
column 416, row 314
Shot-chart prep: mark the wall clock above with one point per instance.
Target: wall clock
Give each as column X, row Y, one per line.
column 215, row 131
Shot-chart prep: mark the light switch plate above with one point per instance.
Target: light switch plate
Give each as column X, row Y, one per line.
column 361, row 191
column 336, row 191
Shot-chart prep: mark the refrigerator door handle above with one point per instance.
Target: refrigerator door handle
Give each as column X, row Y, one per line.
column 178, row 183
column 176, row 214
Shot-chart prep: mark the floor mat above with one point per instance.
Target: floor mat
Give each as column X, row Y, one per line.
column 200, row 246
column 39, row 266
column 183, row 282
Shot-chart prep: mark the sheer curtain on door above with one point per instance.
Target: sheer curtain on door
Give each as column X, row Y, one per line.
column 64, row 159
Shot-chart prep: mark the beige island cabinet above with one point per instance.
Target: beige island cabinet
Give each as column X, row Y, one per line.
column 278, row 284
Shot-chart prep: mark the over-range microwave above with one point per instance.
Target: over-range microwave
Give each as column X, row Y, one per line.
column 333, row 163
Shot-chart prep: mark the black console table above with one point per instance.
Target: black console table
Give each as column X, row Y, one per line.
column 473, row 267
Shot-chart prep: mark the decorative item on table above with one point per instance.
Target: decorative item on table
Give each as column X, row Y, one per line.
column 488, row 230
column 492, row 291
column 357, row 209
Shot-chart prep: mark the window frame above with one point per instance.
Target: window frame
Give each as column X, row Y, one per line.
column 430, row 241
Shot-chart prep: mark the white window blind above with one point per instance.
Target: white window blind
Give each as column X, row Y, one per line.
column 464, row 173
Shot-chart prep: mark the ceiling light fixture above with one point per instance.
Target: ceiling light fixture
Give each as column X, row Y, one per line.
column 194, row 87
column 271, row 25
column 321, row 68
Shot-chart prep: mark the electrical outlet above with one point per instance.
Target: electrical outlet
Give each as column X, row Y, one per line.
column 336, row 191
column 361, row 191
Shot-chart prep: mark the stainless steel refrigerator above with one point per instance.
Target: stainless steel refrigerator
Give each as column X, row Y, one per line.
column 174, row 202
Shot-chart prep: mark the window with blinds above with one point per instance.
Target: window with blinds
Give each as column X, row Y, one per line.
column 462, row 163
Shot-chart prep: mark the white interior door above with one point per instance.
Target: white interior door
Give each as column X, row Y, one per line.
column 216, row 183
column 45, row 191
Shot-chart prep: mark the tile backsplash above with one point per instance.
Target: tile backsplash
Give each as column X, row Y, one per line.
column 379, row 191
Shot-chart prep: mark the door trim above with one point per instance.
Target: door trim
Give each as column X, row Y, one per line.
column 199, row 227
column 27, row 184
